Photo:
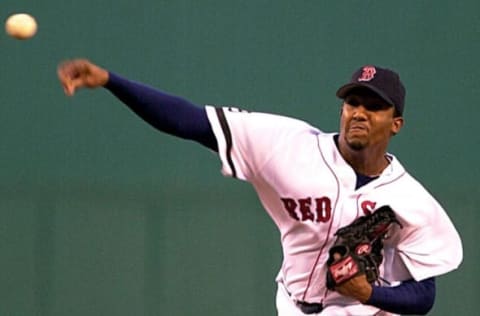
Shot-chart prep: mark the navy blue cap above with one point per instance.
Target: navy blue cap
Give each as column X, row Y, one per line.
column 384, row 82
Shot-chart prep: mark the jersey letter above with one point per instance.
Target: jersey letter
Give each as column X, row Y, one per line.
column 324, row 209
column 305, row 209
column 290, row 205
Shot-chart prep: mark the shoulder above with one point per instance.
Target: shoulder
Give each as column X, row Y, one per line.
column 412, row 201
column 257, row 122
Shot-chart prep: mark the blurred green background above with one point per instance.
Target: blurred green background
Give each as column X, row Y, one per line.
column 100, row 214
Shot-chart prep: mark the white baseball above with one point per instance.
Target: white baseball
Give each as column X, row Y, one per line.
column 21, row 26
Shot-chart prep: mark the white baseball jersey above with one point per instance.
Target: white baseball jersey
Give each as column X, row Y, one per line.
column 309, row 191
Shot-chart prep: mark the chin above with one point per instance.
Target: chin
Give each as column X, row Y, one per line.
column 356, row 144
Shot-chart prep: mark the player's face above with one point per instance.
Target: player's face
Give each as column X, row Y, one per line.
column 367, row 120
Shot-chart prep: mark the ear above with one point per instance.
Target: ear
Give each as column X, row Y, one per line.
column 397, row 125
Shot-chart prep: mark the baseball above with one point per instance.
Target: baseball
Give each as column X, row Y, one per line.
column 21, row 26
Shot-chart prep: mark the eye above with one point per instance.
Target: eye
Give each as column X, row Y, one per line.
column 373, row 106
column 352, row 100
column 376, row 106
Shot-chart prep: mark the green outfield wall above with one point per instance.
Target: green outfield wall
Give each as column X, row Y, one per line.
column 100, row 214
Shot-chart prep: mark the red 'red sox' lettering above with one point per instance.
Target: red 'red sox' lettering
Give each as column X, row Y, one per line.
column 309, row 209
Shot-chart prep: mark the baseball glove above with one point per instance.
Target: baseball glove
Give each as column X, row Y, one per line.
column 358, row 247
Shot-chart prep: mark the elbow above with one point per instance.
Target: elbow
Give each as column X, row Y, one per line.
column 427, row 307
column 425, row 310
column 427, row 299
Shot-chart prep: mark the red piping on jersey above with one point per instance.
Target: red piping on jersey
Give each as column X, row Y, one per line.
column 389, row 182
column 358, row 208
column 329, row 227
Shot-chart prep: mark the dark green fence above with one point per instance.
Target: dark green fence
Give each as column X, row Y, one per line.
column 102, row 215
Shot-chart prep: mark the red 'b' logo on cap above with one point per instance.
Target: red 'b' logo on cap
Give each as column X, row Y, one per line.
column 367, row 74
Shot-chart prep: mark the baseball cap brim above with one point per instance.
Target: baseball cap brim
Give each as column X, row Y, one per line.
column 346, row 89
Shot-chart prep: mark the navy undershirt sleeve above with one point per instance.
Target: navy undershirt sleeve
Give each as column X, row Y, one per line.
column 410, row 297
column 167, row 113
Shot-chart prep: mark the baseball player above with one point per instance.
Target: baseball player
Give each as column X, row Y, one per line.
column 312, row 183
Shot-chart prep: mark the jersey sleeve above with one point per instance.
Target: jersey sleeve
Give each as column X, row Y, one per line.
column 430, row 244
column 247, row 140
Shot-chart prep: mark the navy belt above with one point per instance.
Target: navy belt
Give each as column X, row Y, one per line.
column 305, row 307
column 309, row 308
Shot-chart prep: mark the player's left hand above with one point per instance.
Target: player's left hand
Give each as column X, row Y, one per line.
column 356, row 287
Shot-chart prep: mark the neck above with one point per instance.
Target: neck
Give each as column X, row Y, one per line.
column 370, row 161
column 366, row 163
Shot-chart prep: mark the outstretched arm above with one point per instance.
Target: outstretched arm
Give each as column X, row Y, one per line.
column 167, row 113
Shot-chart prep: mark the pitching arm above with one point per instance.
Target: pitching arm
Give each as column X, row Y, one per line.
column 167, row 113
